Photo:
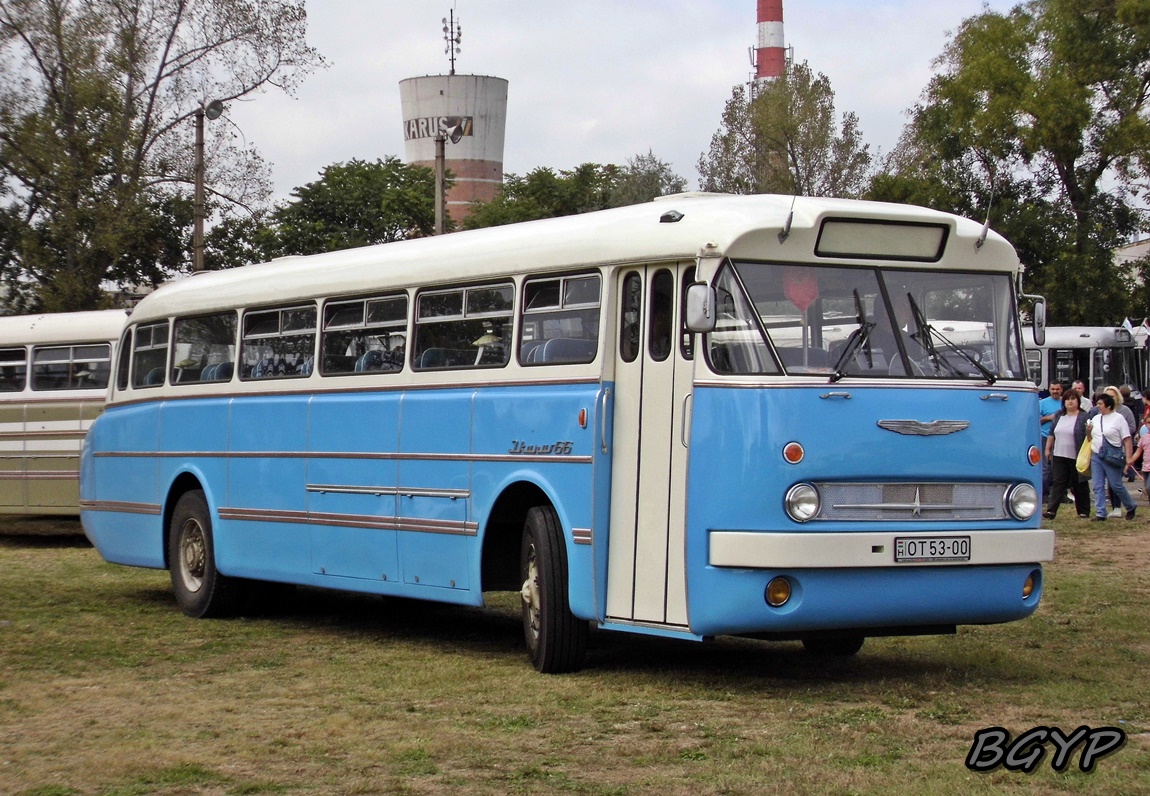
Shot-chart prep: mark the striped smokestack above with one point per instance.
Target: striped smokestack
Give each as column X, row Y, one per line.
column 770, row 56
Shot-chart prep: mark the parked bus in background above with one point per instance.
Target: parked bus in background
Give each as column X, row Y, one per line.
column 1098, row 355
column 700, row 416
column 53, row 383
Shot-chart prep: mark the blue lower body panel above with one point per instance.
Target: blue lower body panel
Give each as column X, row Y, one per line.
column 732, row 601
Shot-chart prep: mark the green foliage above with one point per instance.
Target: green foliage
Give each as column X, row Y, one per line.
column 96, row 128
column 240, row 240
column 543, row 193
column 357, row 204
column 1040, row 114
column 785, row 139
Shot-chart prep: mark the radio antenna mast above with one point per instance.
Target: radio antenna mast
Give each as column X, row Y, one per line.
column 452, row 36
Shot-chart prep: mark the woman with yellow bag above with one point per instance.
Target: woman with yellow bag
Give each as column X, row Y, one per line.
column 1067, row 436
column 1110, row 442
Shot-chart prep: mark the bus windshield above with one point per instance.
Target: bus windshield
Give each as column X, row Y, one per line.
column 839, row 321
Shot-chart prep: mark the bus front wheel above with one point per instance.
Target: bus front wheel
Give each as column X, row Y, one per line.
column 556, row 639
column 201, row 591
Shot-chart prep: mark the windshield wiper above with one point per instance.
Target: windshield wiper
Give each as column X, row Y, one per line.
column 857, row 338
column 929, row 332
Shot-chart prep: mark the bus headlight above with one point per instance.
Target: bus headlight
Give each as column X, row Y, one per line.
column 802, row 502
column 1022, row 501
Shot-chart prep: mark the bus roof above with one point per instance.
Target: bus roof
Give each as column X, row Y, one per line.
column 1081, row 337
column 61, row 327
column 728, row 225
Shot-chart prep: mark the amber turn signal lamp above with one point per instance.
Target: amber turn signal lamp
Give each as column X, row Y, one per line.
column 793, row 452
column 1028, row 586
column 778, row 592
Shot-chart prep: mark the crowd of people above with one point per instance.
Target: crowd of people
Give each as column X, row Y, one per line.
column 1115, row 423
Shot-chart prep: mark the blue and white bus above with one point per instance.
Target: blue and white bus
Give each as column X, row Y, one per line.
column 1099, row 356
column 700, row 416
column 54, row 370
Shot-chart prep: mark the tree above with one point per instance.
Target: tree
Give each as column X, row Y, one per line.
column 642, row 179
column 95, row 129
column 784, row 139
column 1043, row 110
column 357, row 204
column 544, row 193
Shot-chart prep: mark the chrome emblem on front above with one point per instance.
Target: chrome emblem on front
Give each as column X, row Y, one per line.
column 920, row 429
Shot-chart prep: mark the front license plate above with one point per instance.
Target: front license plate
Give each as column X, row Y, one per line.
column 931, row 548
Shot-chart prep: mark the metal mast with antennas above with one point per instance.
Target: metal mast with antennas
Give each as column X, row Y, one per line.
column 452, row 36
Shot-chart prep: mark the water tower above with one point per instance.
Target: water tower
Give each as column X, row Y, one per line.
column 471, row 113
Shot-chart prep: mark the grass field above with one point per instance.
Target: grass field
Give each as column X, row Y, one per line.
column 106, row 688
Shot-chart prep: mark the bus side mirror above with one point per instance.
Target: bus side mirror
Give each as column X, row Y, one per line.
column 700, row 308
column 1039, row 320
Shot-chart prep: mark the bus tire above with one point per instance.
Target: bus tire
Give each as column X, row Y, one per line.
column 556, row 639
column 201, row 591
column 842, row 646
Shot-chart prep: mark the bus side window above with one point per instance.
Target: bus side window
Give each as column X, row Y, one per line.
column 560, row 321
column 278, row 343
column 150, row 355
column 70, row 367
column 125, row 357
column 13, row 369
column 632, row 315
column 463, row 327
column 661, row 333
column 364, row 336
column 205, row 348
column 686, row 336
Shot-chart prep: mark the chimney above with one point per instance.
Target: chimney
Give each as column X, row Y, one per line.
column 770, row 56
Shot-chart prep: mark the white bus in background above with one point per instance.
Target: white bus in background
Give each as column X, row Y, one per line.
column 1098, row 355
column 53, row 383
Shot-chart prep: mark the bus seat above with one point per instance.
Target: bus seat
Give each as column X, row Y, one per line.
column 223, row 371
column 529, row 351
column 264, row 368
column 568, row 349
column 433, row 358
column 371, row 360
column 308, row 366
column 209, row 373
column 155, row 376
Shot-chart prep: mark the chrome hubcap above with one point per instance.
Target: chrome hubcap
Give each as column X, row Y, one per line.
column 193, row 555
column 530, row 595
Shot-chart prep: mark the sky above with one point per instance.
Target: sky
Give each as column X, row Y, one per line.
column 589, row 80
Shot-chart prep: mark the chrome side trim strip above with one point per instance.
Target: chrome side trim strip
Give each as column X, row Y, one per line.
column 378, row 522
column 383, row 456
column 403, row 491
column 581, row 535
column 122, row 507
column 40, row 475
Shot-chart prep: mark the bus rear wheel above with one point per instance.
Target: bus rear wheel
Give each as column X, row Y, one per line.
column 201, row 591
column 834, row 646
column 556, row 639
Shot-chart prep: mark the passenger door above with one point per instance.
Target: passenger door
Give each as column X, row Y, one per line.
column 646, row 569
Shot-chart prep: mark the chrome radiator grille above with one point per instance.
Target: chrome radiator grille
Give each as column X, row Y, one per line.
column 911, row 502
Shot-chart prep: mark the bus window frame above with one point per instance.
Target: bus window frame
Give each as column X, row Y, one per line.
column 283, row 316
column 506, row 331
column 563, row 308
column 175, row 373
column 22, row 366
column 401, row 327
column 139, row 382
column 72, row 359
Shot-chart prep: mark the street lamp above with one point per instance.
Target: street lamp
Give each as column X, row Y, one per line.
column 212, row 110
